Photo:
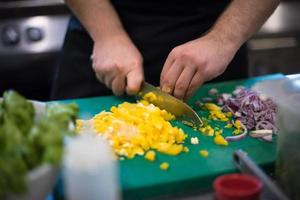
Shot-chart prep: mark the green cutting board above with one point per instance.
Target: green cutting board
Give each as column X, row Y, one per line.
column 142, row 179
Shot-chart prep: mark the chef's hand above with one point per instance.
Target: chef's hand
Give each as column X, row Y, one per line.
column 189, row 65
column 118, row 64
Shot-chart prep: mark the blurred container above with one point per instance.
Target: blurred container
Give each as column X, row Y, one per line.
column 40, row 183
column 286, row 93
column 90, row 169
column 237, row 187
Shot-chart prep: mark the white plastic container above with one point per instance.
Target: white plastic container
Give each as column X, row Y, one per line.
column 286, row 93
column 90, row 169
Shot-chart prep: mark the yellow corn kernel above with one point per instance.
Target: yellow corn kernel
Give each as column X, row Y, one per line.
column 220, row 140
column 164, row 166
column 150, row 155
column 204, row 153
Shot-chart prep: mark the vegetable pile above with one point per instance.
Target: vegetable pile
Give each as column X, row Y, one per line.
column 135, row 128
column 26, row 142
column 251, row 112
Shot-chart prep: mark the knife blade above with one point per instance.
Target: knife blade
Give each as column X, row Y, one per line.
column 163, row 100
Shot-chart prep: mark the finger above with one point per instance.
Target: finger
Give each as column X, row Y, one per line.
column 108, row 80
column 100, row 77
column 196, row 82
column 169, row 81
column 118, row 85
column 168, row 63
column 134, row 81
column 183, row 82
column 109, row 73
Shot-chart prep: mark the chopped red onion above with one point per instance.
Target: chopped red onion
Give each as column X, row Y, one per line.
column 260, row 133
column 254, row 111
column 213, row 91
column 236, row 137
column 267, row 138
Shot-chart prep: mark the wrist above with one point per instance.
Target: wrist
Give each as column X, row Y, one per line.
column 226, row 39
column 116, row 35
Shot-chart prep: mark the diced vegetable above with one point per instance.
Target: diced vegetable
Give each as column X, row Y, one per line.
column 164, row 166
column 252, row 110
column 150, row 155
column 204, row 153
column 194, row 140
column 219, row 140
column 134, row 128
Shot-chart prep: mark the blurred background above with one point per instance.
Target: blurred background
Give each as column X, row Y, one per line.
column 32, row 34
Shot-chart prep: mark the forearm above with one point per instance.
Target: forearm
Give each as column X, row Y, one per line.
column 242, row 19
column 98, row 17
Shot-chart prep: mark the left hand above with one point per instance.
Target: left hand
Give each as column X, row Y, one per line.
column 189, row 65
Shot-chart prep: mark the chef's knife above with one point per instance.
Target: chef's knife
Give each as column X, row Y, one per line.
column 163, row 100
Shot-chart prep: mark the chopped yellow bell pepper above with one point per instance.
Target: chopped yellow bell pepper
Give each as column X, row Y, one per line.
column 164, row 166
column 204, row 153
column 134, row 128
column 150, row 155
column 228, row 126
column 220, row 140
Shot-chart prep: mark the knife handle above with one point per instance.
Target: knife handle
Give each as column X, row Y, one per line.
column 246, row 165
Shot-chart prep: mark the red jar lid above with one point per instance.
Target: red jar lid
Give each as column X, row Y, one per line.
column 237, row 187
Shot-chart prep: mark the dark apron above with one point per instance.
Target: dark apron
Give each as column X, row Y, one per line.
column 155, row 27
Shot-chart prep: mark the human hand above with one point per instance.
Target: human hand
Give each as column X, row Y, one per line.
column 118, row 64
column 189, row 65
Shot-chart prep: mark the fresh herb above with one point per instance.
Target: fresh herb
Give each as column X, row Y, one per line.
column 26, row 143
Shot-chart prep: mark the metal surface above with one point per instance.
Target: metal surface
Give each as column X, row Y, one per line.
column 52, row 29
column 181, row 110
column 275, row 48
column 8, row 4
column 247, row 166
column 285, row 19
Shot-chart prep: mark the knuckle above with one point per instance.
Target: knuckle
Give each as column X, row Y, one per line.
column 163, row 78
column 166, row 81
column 180, row 86
column 175, row 52
column 139, row 60
column 136, row 63
column 184, row 55
column 193, row 87
column 202, row 61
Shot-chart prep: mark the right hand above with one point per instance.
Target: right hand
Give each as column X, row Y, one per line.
column 118, row 64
